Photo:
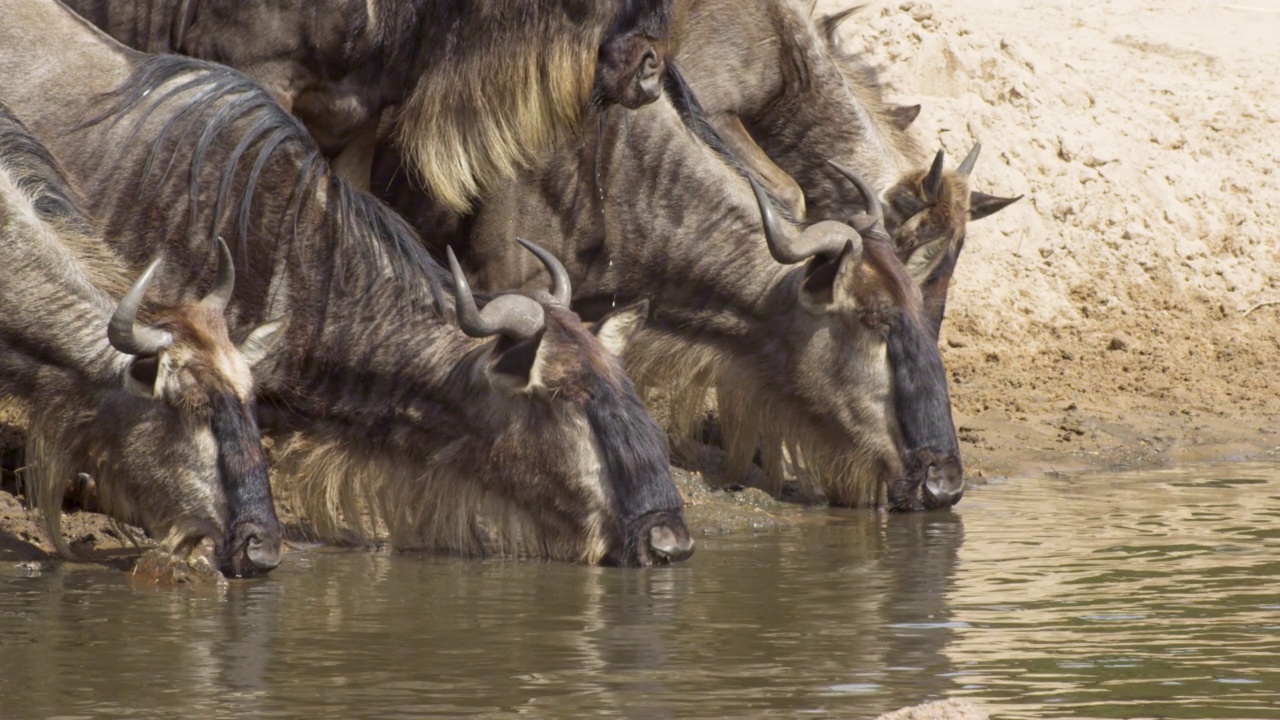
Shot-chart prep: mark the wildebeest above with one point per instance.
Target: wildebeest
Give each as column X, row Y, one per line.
column 158, row 415
column 811, row 341
column 477, row 87
column 510, row 427
column 806, row 101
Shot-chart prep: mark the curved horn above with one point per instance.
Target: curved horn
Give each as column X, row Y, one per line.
column 830, row 25
column 966, row 167
column 871, row 224
column 123, row 332
column 561, row 288
column 788, row 249
column 933, row 181
column 225, row 284
column 512, row 316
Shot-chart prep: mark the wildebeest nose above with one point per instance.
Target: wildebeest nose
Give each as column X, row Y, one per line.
column 945, row 483
column 670, row 544
column 265, row 555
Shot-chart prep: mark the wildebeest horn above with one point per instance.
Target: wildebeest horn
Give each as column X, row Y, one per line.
column 870, row 224
column 786, row 248
column 933, row 181
column 831, row 25
column 561, row 288
column 966, row 167
column 513, row 316
column 220, row 295
column 123, row 332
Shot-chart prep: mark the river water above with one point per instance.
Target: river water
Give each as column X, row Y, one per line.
column 1107, row 596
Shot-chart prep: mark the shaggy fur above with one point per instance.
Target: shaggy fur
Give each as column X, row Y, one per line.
column 152, row 462
column 525, row 104
column 377, row 394
column 477, row 88
column 802, row 381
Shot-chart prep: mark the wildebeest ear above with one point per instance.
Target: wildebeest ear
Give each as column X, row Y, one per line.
column 826, row 281
column 261, row 341
column 921, row 261
column 982, row 204
column 617, row 328
column 903, row 115
column 518, row 364
column 140, row 379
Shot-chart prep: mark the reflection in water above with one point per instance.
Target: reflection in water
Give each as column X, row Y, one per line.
column 1105, row 597
column 1149, row 595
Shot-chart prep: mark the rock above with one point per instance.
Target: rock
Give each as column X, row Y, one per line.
column 162, row 569
column 918, row 11
column 939, row 710
column 1068, row 148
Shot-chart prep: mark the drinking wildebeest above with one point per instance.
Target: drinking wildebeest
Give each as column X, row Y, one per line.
column 806, row 101
column 477, row 87
column 160, row 415
column 812, row 341
column 508, row 428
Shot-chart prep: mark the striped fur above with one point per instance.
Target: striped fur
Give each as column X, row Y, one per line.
column 152, row 452
column 374, row 371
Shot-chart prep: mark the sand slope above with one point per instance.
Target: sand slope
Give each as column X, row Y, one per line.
column 1103, row 317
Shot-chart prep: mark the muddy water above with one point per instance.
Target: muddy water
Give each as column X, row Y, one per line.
column 1109, row 596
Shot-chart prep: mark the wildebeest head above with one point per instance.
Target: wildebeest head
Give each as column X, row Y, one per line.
column 574, row 445
column 212, row 479
column 857, row 333
column 814, row 102
column 927, row 210
column 155, row 415
column 927, row 214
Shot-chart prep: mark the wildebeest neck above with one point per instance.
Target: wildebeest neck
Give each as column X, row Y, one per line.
column 659, row 173
column 808, row 104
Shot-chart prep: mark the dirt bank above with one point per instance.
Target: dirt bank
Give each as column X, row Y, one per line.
column 1117, row 316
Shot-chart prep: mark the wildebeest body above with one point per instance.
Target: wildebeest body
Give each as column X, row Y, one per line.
column 155, row 430
column 382, row 406
column 796, row 355
column 477, row 87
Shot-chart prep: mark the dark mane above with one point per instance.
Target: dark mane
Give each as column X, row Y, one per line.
column 223, row 106
column 694, row 118
column 39, row 175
